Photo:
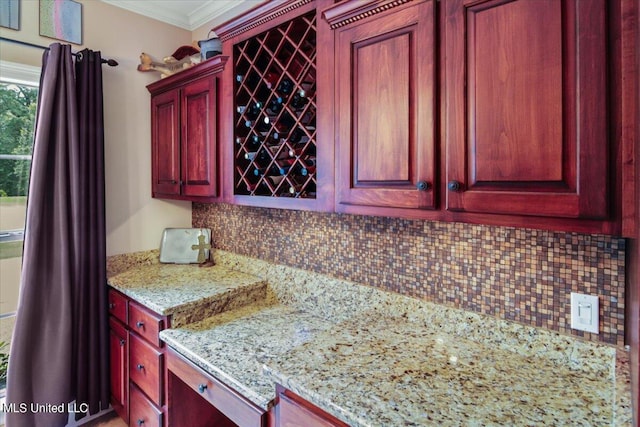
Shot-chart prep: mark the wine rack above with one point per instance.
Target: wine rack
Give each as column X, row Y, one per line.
column 275, row 111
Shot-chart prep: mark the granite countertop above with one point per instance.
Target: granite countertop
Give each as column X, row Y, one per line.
column 384, row 372
column 188, row 292
column 372, row 358
column 231, row 345
column 376, row 370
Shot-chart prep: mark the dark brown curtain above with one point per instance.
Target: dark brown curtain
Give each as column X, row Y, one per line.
column 59, row 350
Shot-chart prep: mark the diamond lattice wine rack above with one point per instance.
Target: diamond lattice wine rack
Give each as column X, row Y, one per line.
column 275, row 118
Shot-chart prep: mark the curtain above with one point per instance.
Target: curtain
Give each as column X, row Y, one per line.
column 59, row 350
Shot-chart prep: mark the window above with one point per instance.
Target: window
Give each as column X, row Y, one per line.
column 18, row 100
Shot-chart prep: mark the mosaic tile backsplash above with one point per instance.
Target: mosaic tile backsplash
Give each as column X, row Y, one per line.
column 512, row 273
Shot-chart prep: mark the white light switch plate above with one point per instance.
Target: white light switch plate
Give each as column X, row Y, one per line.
column 585, row 312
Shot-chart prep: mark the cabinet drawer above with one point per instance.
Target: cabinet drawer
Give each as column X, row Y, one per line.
column 143, row 412
column 145, row 323
column 226, row 400
column 118, row 306
column 293, row 411
column 146, row 368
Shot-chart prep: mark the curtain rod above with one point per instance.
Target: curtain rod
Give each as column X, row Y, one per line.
column 110, row 62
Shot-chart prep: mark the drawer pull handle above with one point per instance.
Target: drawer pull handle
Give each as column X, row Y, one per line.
column 202, row 388
column 139, row 324
column 140, row 366
column 140, row 422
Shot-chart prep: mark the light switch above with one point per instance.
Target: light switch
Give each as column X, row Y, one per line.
column 585, row 312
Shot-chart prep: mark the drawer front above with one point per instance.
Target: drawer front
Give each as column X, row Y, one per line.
column 146, row 368
column 293, row 411
column 143, row 413
column 118, row 306
column 145, row 323
column 228, row 401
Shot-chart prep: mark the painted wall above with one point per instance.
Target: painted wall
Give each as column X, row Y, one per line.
column 134, row 220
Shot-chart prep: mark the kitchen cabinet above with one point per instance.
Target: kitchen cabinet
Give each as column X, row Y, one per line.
column 482, row 111
column 119, row 354
column 385, row 107
column 293, row 411
column 137, row 361
column 195, row 399
column 184, row 133
column 526, row 127
column 276, row 123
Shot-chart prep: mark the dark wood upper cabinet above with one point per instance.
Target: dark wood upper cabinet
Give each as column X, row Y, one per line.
column 184, row 133
column 199, row 154
column 525, row 104
column 165, row 137
column 277, row 123
column 385, row 109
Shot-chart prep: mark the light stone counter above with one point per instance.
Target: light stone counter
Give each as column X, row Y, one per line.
column 373, row 358
column 187, row 292
column 376, row 371
column 230, row 345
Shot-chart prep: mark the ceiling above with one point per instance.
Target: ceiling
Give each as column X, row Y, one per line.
column 187, row 14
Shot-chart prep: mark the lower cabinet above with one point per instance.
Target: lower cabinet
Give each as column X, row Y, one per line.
column 137, row 362
column 143, row 411
column 293, row 411
column 195, row 399
column 119, row 353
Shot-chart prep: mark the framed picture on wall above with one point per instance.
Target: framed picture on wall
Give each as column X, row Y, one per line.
column 61, row 20
column 10, row 14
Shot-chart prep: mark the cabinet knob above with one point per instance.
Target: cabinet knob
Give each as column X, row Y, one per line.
column 139, row 324
column 112, row 305
column 454, row 186
column 122, row 342
column 422, row 185
column 202, row 388
column 140, row 421
column 140, row 366
column 174, row 182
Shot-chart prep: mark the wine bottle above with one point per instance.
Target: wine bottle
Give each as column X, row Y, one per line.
column 250, row 81
column 285, row 166
column 275, row 106
column 299, row 100
column 271, row 79
column 253, row 110
column 310, row 150
column 298, row 136
column 260, row 158
column 261, row 126
column 285, row 87
column 301, row 188
column 270, row 170
column 284, row 124
column 254, row 142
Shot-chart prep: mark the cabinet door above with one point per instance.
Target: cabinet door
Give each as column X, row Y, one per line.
column 199, row 141
column 165, row 147
column 526, row 107
column 386, row 111
column 118, row 348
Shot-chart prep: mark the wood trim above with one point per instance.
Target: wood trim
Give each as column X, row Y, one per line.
column 256, row 17
column 210, row 66
column 346, row 13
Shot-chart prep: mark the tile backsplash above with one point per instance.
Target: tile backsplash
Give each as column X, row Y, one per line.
column 512, row 273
